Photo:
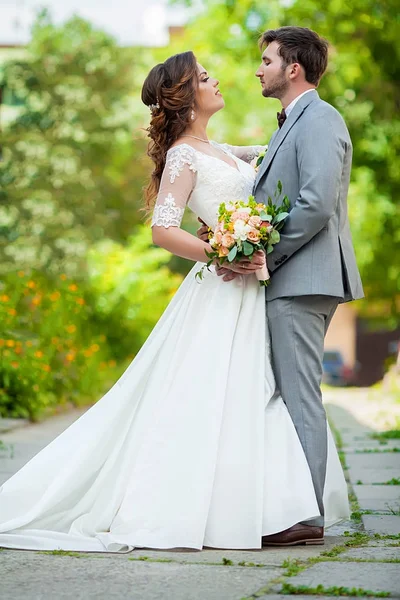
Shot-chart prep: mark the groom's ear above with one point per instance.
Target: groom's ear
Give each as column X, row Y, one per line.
column 295, row 71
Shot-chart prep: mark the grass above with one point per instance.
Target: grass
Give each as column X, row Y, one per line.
column 393, row 481
column 293, row 567
column 320, row 590
column 377, row 450
column 392, row 434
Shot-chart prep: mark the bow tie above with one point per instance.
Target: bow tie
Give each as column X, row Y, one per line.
column 281, row 116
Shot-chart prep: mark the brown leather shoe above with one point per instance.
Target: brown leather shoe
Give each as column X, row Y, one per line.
column 296, row 535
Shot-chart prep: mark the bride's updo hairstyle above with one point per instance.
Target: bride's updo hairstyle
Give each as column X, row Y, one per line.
column 169, row 91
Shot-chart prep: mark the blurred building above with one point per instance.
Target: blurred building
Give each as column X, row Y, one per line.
column 365, row 351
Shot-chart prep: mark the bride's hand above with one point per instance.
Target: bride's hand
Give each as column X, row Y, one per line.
column 245, row 266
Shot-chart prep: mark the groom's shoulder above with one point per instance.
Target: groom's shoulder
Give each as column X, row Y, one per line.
column 324, row 113
column 324, row 109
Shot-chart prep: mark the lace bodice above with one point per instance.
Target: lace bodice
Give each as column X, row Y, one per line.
column 201, row 182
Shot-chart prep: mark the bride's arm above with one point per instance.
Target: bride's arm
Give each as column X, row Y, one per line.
column 246, row 153
column 177, row 183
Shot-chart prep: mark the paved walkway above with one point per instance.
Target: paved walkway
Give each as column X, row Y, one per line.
column 359, row 557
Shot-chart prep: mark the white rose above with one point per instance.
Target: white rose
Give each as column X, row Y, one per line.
column 245, row 210
column 230, row 207
column 241, row 230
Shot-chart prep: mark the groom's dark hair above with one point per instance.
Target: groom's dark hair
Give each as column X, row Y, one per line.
column 301, row 45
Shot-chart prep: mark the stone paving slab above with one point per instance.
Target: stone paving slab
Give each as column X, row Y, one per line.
column 373, row 467
column 377, row 577
column 378, row 497
column 377, row 553
column 10, row 424
column 383, row 524
column 30, row 575
column 371, row 444
column 267, row 556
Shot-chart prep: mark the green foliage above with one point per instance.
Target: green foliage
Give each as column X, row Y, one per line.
column 130, row 287
column 362, row 82
column 70, row 170
column 49, row 352
column 62, row 341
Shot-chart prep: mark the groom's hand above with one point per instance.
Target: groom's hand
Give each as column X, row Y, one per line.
column 203, row 231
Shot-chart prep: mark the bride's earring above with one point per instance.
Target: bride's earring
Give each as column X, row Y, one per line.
column 193, row 115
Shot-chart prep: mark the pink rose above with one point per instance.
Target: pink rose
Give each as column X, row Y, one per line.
column 253, row 235
column 255, row 221
column 218, row 237
column 240, row 215
column 228, row 240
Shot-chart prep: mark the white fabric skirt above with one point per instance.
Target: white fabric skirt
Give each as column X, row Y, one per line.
column 191, row 447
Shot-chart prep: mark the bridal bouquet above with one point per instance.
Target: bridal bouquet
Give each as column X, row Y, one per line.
column 243, row 228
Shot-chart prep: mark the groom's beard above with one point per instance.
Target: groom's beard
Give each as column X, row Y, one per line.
column 276, row 88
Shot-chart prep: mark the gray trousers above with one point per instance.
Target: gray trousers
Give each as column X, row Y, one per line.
column 298, row 325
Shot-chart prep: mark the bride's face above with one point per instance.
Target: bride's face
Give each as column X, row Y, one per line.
column 208, row 98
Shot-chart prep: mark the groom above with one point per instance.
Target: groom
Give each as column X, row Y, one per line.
column 313, row 267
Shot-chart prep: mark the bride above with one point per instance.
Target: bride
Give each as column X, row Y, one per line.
column 193, row 447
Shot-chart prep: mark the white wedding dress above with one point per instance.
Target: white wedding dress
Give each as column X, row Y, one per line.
column 191, row 447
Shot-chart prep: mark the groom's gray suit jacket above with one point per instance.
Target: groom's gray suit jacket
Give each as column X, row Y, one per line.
column 313, row 265
column 315, row 254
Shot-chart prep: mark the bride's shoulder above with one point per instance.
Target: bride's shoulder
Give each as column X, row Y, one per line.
column 179, row 157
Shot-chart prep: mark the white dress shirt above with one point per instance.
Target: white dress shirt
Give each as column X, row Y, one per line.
column 291, row 106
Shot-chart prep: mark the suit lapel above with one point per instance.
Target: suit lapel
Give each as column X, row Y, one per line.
column 281, row 133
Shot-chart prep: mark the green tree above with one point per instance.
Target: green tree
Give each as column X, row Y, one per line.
column 71, row 172
column 362, row 83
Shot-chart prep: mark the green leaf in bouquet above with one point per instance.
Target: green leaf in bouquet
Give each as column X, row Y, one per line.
column 270, row 248
column 275, row 237
column 279, row 187
column 248, row 248
column 232, row 253
column 211, row 255
column 280, row 217
column 286, row 203
column 266, row 217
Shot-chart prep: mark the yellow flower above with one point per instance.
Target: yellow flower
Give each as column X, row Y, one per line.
column 29, row 344
column 73, row 287
column 10, row 343
column 4, row 298
column 55, row 296
column 2, row 342
column 15, row 364
column 31, row 284
column 112, row 363
column 70, row 356
column 55, row 341
column 38, row 354
column 87, row 353
column 70, row 328
column 12, row 312
column 36, row 300
column 63, row 277
column 46, row 368
column 95, row 347
column 80, row 301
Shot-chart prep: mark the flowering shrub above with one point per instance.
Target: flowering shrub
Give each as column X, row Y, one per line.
column 48, row 351
column 61, row 342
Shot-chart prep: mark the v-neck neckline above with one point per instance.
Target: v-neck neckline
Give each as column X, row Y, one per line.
column 214, row 157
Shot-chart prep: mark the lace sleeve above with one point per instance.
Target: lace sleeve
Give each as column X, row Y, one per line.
column 177, row 183
column 246, row 153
